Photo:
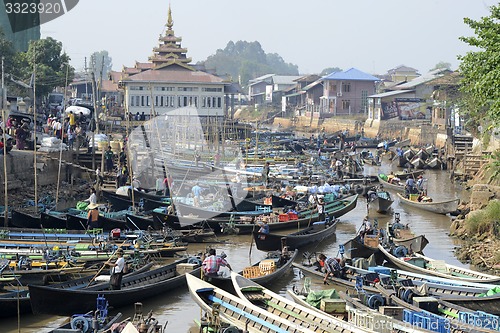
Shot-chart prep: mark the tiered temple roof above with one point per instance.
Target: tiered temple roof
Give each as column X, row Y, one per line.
column 170, row 51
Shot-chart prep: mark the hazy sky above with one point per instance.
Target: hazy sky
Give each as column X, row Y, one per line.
column 373, row 36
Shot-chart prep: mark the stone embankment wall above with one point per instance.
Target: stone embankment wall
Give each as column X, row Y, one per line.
column 419, row 132
column 21, row 169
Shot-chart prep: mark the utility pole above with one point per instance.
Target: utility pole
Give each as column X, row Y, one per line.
column 6, row 201
column 95, row 112
column 86, row 80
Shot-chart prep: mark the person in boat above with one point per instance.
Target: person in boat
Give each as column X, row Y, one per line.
column 197, row 158
column 213, row 263
column 331, row 266
column 366, row 228
column 92, row 199
column 420, row 183
column 93, row 216
column 196, row 190
column 410, row 185
column 320, row 205
column 264, row 227
column 392, row 179
column 115, row 282
column 265, row 173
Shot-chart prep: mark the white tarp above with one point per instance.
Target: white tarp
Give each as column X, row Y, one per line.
column 77, row 109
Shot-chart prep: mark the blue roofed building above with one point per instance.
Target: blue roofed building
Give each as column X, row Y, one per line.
column 346, row 93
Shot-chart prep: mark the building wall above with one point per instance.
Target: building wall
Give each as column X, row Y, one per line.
column 347, row 97
column 163, row 97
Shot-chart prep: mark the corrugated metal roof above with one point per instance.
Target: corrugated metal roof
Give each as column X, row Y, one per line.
column 351, row 74
column 390, row 93
column 311, row 85
column 286, row 79
column 432, row 75
column 295, row 94
column 260, row 78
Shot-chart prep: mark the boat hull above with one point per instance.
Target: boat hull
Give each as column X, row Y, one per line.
column 440, row 207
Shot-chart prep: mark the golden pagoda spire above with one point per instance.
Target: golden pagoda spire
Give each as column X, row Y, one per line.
column 170, row 23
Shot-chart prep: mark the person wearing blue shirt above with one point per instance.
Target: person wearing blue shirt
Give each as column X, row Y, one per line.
column 264, row 227
column 410, row 185
column 196, row 190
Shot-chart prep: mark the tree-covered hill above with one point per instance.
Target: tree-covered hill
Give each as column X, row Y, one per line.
column 247, row 60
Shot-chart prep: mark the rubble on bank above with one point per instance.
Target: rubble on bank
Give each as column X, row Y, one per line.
column 479, row 227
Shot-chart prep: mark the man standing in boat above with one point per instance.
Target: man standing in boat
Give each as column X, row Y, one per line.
column 115, row 282
column 196, row 190
column 265, row 173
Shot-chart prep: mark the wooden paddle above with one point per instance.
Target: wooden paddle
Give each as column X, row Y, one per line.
column 104, row 265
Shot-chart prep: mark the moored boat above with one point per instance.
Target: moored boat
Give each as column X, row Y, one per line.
column 252, row 293
column 424, row 265
column 237, row 314
column 317, row 232
column 438, row 207
column 60, row 301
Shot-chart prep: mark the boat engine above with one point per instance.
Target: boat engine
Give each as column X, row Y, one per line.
column 400, row 251
column 373, row 301
column 82, row 323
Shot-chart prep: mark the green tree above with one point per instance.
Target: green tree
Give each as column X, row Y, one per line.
column 101, row 61
column 247, row 60
column 330, row 70
column 442, row 65
column 7, row 52
column 481, row 68
column 51, row 63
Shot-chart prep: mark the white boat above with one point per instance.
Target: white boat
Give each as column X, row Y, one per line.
column 236, row 313
column 425, row 265
column 251, row 293
column 438, row 207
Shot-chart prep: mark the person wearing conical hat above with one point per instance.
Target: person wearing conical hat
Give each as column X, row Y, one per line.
column 93, row 216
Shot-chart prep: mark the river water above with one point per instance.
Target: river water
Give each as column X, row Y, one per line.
column 179, row 310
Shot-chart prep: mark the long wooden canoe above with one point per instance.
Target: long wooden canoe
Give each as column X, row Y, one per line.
column 236, row 313
column 394, row 187
column 59, row 301
column 282, row 263
column 313, row 234
column 429, row 266
column 252, row 293
column 438, row 207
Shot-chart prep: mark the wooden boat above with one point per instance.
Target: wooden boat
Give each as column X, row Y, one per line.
column 142, row 222
column 264, row 272
column 254, row 294
column 424, row 265
column 438, row 207
column 244, row 225
column 303, row 219
column 434, row 163
column 61, row 301
column 460, row 295
column 417, row 162
column 121, row 202
column 79, row 222
column 235, row 313
column 379, row 200
column 404, row 175
column 395, row 187
column 448, row 312
column 24, row 220
column 368, row 178
column 313, row 234
column 10, row 301
column 279, row 202
column 357, row 308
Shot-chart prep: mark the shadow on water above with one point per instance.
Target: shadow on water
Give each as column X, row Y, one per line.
column 178, row 308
